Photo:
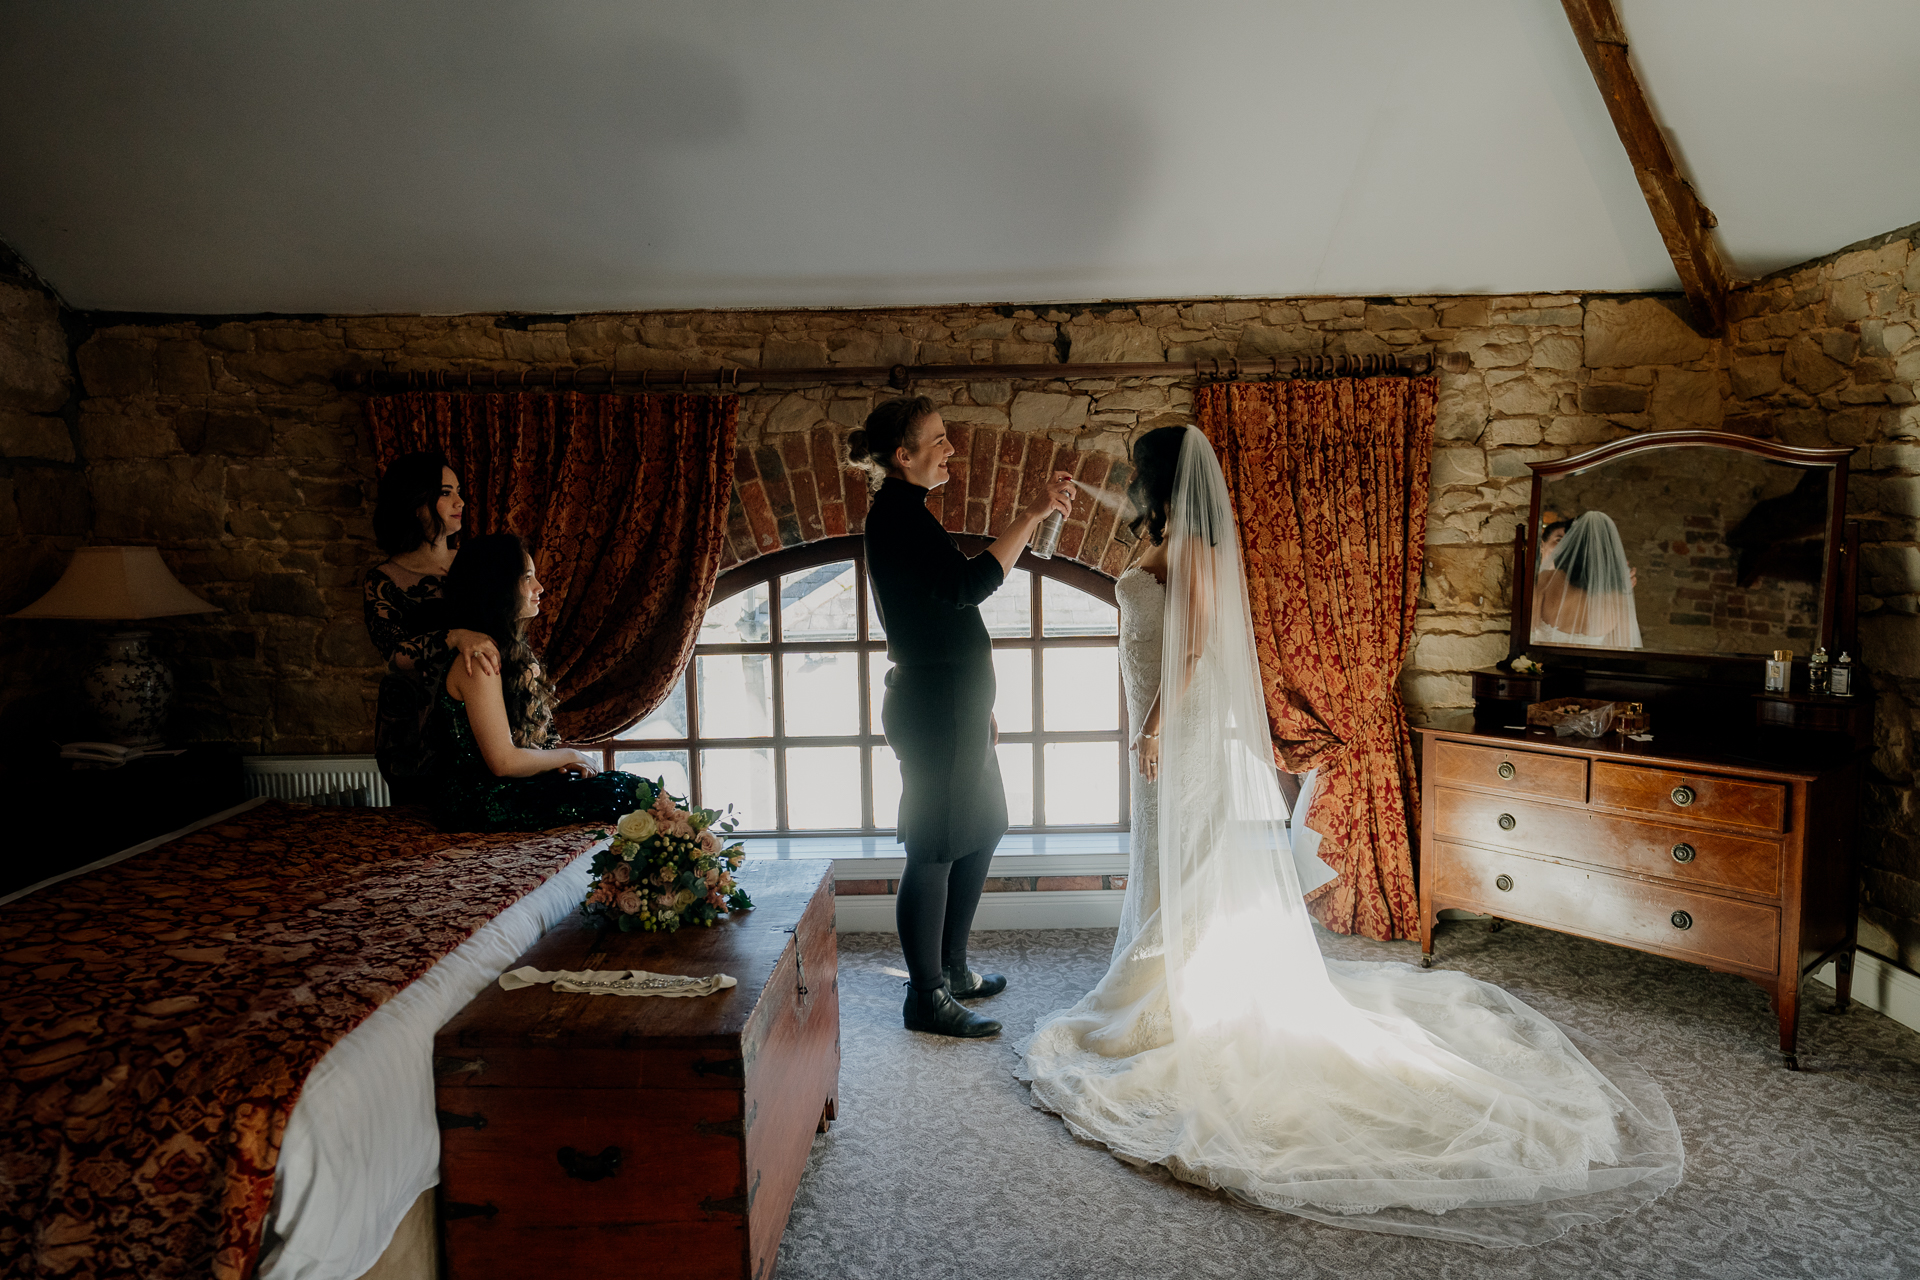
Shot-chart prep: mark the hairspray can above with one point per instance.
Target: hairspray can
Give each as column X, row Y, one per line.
column 1047, row 536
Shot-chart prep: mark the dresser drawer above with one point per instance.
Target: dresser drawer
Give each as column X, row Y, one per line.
column 1594, row 904
column 1695, row 797
column 1683, row 854
column 1532, row 773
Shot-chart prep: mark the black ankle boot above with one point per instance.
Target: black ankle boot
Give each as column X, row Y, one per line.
column 965, row 984
column 936, row 1012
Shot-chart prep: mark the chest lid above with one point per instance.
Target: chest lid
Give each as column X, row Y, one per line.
column 750, row 946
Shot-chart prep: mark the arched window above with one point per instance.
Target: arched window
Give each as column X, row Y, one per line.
column 779, row 711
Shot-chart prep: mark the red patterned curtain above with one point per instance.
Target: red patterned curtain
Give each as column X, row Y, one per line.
column 1329, row 483
column 625, row 501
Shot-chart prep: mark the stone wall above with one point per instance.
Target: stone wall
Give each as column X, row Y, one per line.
column 227, row 443
column 1829, row 353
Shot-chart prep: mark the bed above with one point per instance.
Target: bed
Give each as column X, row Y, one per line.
column 217, row 1050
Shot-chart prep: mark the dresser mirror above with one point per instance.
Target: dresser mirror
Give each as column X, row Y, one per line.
column 1683, row 544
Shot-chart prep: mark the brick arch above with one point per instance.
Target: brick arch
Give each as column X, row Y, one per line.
column 794, row 489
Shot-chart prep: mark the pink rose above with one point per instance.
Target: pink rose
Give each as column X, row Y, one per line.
column 666, row 901
column 680, row 828
column 711, row 875
column 709, row 841
column 621, row 875
column 628, row 902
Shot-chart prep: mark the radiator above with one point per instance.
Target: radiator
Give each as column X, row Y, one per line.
column 353, row 781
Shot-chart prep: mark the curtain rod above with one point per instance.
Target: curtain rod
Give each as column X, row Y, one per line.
column 898, row 376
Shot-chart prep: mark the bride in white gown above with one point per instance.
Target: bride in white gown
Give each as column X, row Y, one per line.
column 1223, row 1046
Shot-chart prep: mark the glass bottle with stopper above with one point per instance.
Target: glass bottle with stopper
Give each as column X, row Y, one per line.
column 1842, row 677
column 1819, row 672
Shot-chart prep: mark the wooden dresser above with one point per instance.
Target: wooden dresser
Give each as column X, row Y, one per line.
column 590, row 1135
column 1742, row 866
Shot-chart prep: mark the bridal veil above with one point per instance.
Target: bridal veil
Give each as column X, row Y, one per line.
column 1222, row 1045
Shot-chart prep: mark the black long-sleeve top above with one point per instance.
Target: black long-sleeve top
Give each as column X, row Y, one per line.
column 927, row 590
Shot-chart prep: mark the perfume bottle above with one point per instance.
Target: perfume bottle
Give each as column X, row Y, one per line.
column 1818, row 673
column 1842, row 677
column 1779, row 671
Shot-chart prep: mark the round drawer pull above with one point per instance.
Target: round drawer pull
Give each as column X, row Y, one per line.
column 1503, row 883
column 1681, row 920
column 1506, row 769
column 1507, row 822
column 1683, row 796
column 1683, row 853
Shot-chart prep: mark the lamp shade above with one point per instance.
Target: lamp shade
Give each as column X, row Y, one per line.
column 116, row 583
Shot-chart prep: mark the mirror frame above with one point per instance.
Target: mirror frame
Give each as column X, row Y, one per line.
column 1526, row 538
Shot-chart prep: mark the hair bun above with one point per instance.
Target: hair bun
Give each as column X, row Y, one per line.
column 857, row 450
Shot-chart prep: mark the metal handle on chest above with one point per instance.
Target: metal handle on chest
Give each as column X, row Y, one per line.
column 578, row 1164
column 1683, row 853
column 1503, row 883
column 1507, row 822
column 1681, row 920
column 1505, row 770
column 1683, row 796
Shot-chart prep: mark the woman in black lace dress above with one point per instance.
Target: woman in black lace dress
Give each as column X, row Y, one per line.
column 417, row 521
column 501, row 767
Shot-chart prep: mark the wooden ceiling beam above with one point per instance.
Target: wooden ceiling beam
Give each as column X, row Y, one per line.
column 1685, row 223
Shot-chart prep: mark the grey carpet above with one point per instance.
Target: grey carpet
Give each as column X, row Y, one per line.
column 938, row 1166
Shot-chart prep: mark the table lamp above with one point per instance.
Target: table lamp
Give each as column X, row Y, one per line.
column 128, row 687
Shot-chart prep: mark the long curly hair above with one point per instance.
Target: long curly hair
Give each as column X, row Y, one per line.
column 1156, row 460
column 483, row 594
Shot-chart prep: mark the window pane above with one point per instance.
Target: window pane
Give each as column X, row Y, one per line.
column 819, row 603
column 875, row 629
column 822, row 692
column 668, row 720
column 1080, row 689
column 1013, row 705
column 1009, row 611
column 878, row 664
column 1083, row 782
column 736, row 695
column 657, row 766
column 1016, row 773
column 740, row 619
column 886, row 788
column 1069, row 611
column 743, row 779
column 823, row 788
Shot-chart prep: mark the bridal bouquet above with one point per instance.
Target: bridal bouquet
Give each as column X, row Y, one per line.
column 666, row 866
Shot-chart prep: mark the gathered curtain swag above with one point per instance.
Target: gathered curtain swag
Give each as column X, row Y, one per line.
column 624, row 499
column 1329, row 481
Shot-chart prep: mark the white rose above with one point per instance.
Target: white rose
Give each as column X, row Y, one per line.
column 638, row 825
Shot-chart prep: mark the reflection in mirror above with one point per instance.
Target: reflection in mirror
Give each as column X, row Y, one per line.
column 1710, row 551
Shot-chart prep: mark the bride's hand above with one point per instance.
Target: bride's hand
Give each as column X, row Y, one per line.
column 1146, row 749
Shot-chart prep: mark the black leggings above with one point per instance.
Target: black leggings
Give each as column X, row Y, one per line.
column 935, row 914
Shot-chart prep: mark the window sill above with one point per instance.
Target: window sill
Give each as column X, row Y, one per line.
column 1093, row 853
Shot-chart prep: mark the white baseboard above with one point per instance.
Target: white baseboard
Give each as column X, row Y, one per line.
column 1055, row 909
column 1882, row 987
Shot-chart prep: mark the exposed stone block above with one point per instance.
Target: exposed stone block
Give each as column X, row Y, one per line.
column 1458, row 466
column 27, row 435
column 1520, row 396
column 1400, row 317
column 1610, row 398
column 1446, row 651
column 1756, row 376
column 1685, row 400
column 53, row 502
column 1513, row 431
column 1639, row 332
column 1048, row 411
column 1556, row 351
column 1468, row 578
column 159, row 499
column 34, row 376
column 1808, row 368
column 1113, row 343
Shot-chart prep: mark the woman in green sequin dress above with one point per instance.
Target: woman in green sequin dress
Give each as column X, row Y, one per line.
column 504, row 769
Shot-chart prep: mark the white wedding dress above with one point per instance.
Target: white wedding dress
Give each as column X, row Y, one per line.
column 1223, row 1046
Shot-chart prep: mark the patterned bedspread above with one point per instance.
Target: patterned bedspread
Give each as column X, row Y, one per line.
column 158, row 1018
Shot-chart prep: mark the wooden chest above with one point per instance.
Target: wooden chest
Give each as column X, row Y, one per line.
column 1737, row 866
column 620, row 1135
